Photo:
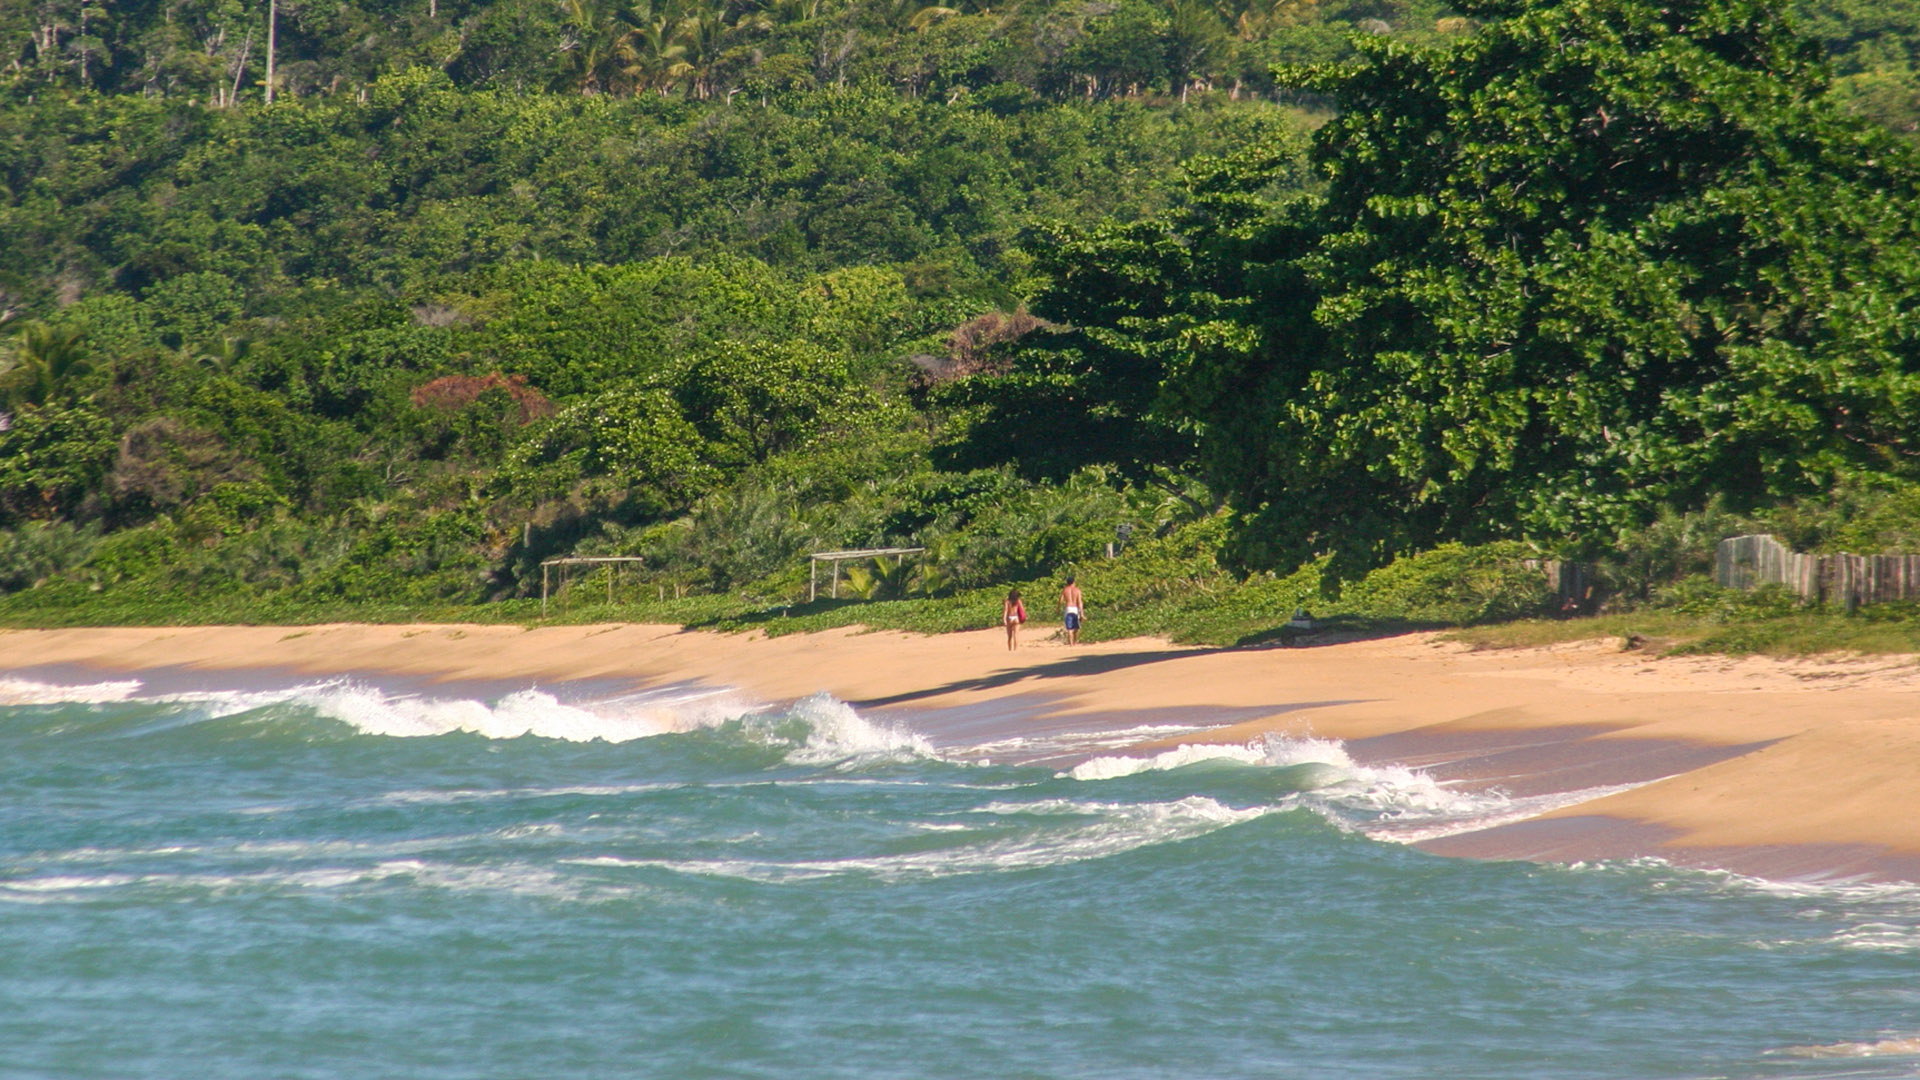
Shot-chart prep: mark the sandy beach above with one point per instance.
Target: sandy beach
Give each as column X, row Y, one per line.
column 1777, row 768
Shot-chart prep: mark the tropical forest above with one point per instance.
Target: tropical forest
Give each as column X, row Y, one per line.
column 1255, row 315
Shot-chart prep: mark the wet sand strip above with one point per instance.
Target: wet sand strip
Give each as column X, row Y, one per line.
column 1595, row 837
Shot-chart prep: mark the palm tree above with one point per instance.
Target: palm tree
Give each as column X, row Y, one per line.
column 704, row 29
column 659, row 59
column 223, row 356
column 902, row 15
column 1196, row 42
column 597, row 51
column 793, row 11
column 929, row 15
column 888, row 580
column 45, row 358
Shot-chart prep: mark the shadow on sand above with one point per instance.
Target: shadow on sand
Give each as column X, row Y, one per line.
column 1333, row 630
column 1095, row 664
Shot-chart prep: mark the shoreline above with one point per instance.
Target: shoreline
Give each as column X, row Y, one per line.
column 1768, row 767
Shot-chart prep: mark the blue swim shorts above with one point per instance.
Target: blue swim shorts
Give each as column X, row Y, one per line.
column 1073, row 620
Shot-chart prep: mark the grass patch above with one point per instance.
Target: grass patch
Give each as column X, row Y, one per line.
column 1804, row 632
column 1169, row 587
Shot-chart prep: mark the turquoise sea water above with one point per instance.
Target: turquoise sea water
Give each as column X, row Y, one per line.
column 339, row 881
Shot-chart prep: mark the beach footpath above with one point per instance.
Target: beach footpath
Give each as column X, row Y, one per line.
column 1771, row 767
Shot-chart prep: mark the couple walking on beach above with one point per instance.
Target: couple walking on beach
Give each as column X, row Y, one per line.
column 1014, row 612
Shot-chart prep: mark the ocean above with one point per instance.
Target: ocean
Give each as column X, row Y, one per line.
column 346, row 879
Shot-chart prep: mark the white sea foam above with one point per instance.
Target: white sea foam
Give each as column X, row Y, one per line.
column 1061, row 744
column 1385, row 802
column 834, row 733
column 454, row 796
column 101, row 855
column 829, row 732
column 1829, row 894
column 1867, row 916
column 283, row 851
column 64, row 883
column 838, row 735
column 372, row 711
column 512, row 877
column 1472, row 812
column 1109, row 829
column 1879, row 937
column 16, row 691
column 1112, row 768
column 525, row 712
column 1897, row 1046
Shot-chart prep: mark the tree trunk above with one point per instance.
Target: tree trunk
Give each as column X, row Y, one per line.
column 83, row 43
column 240, row 69
column 273, row 28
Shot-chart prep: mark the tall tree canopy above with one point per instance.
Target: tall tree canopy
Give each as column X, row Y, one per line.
column 1603, row 255
column 1122, row 298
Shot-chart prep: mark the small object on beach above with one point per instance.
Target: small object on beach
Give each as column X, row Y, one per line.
column 1302, row 620
column 1630, row 642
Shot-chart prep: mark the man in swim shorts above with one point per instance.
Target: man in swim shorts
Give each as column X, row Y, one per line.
column 1071, row 602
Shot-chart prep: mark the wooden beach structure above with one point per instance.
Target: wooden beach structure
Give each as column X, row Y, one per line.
column 835, row 558
column 566, row 564
column 1744, row 562
column 1571, row 582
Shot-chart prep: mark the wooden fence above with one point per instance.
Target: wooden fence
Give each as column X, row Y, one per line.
column 1742, row 562
column 1571, row 582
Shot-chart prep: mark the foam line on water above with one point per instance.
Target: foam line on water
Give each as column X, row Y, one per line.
column 1070, row 742
column 1896, row 896
column 1109, row 829
column 1429, row 818
column 1868, row 916
column 1112, row 768
column 17, row 691
column 1897, row 1046
column 285, row 851
column 508, row 877
column 455, row 796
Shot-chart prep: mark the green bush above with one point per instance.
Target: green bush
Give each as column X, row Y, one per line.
column 1666, row 550
column 1698, row 595
column 135, row 554
column 1453, row 585
column 37, row 551
column 1865, row 518
column 1028, row 531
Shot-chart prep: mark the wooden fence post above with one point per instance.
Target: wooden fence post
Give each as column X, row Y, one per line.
column 1743, row 562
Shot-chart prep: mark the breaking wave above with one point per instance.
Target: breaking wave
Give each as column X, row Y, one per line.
column 18, row 692
column 1385, row 802
column 816, row 731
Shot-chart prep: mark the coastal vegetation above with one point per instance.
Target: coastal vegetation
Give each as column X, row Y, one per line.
column 1353, row 308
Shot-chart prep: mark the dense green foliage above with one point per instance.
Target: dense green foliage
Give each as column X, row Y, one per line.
column 1346, row 305
column 422, row 181
column 1603, row 256
column 217, row 50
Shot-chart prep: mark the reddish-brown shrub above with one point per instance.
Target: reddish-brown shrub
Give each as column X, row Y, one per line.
column 970, row 348
column 451, row 393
